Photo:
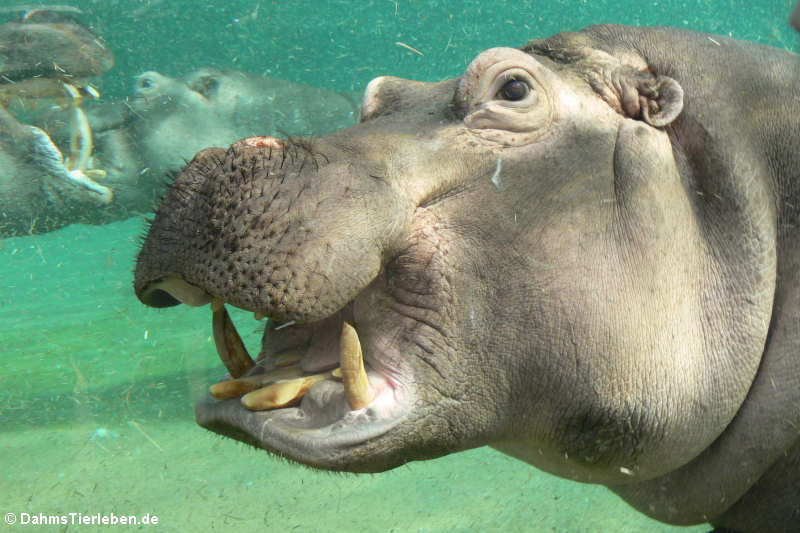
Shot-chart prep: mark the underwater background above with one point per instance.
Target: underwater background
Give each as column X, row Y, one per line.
column 97, row 391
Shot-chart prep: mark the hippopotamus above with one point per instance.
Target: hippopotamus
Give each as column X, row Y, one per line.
column 140, row 142
column 170, row 119
column 584, row 252
column 47, row 60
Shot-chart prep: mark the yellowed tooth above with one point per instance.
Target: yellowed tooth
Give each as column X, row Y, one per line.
column 233, row 388
column 281, row 394
column 91, row 91
column 337, row 373
column 95, row 173
column 229, row 345
column 80, row 143
column 356, row 384
column 72, row 92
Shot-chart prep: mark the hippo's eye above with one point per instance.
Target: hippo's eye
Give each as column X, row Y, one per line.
column 145, row 83
column 513, row 91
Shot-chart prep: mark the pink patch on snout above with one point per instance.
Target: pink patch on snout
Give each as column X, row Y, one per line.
column 259, row 142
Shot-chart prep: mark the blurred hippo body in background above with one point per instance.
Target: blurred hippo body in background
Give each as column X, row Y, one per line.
column 47, row 60
column 584, row 253
column 171, row 119
column 139, row 143
column 38, row 191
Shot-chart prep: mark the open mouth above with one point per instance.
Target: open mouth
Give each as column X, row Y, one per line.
column 311, row 401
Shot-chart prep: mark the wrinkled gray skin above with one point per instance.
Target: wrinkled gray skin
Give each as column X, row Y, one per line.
column 142, row 141
column 597, row 273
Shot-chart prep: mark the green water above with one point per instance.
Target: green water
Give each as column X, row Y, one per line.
column 96, row 391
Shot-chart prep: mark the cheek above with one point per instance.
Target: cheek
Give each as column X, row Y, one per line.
column 418, row 275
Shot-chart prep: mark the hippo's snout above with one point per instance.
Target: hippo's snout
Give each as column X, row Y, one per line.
column 289, row 231
column 264, row 227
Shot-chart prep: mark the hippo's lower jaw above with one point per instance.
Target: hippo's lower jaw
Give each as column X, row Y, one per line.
column 297, row 403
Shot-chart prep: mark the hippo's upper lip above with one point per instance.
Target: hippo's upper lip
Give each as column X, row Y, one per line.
column 292, row 401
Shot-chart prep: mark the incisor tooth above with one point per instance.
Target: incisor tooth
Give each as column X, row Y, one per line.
column 233, row 388
column 281, row 394
column 229, row 345
column 356, row 384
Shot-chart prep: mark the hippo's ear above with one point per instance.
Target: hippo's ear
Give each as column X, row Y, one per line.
column 622, row 78
column 664, row 103
column 658, row 100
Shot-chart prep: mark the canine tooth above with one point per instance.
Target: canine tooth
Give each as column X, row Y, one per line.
column 281, row 394
column 229, row 345
column 233, row 388
column 287, row 359
column 356, row 384
column 80, row 142
column 337, row 373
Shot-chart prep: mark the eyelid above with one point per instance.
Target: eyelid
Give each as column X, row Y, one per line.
column 506, row 77
column 512, row 122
